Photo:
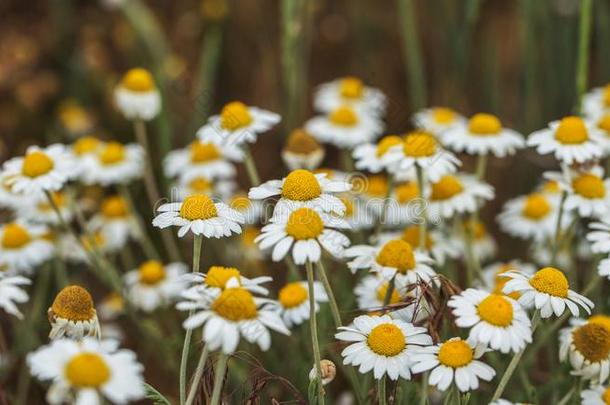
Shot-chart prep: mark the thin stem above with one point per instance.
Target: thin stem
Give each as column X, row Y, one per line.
column 557, row 237
column 197, row 376
column 219, row 377
column 423, row 396
column 584, row 36
column 197, row 242
column 481, row 167
column 334, row 308
column 386, row 204
column 250, row 165
column 389, row 291
column 146, row 243
column 412, row 54
column 381, row 393
column 422, row 219
column 313, row 327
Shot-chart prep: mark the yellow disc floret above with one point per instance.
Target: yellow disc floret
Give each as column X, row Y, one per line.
column 138, row 80
column 398, row 254
column 551, row 281
column 87, row 370
column 571, row 130
column 419, row 144
column 496, row 310
column 114, row 207
column 198, row 207
column 589, row 186
column 202, row 152
column 376, row 185
column 73, row 303
column 343, row 116
column 217, row 276
column 603, row 320
column 386, row 339
column 349, row 206
column 447, row 187
column 235, row 304
column 604, row 123
column 292, row 295
column 382, row 291
column 443, row 115
column 112, row 153
column 304, row 223
column 240, row 202
column 386, row 143
column 455, row 353
column 592, row 340
column 235, row 115
column 201, row 185
column 36, row 163
column 411, row 234
column 85, row 145
column 351, row 87
column 151, row 272
column 15, row 236
column 301, row 143
column 301, row 185
column 484, row 124
column 406, row 191
column 536, row 207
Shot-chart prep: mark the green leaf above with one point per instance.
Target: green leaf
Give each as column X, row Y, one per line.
column 155, row 396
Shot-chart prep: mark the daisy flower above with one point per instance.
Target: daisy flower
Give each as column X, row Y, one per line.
column 215, row 281
column 349, row 91
column 209, row 159
column 88, row 372
column 603, row 124
column 483, row 135
column 200, row 215
column 571, row 140
column 344, row 127
column 73, row 118
column 24, row 246
column 83, row 147
column 40, row 170
column 12, row 294
column 251, row 210
column 457, row 194
column 154, row 284
column 454, row 360
column 238, row 123
column 547, row 290
column 371, row 291
column 404, row 206
column 217, row 188
column 304, row 231
column 438, row 120
column 395, row 258
column 382, row 344
column 587, row 347
column 600, row 236
column 302, row 188
column 369, row 156
column 137, row 96
column 39, row 210
column 597, row 101
column 595, row 395
column 294, row 301
column 73, row 314
column 302, row 151
column 356, row 213
column 494, row 280
column 588, row 192
column 114, row 163
column 437, row 244
column 372, row 191
column 421, row 149
column 495, row 320
column 231, row 313
column 116, row 221
column 483, row 244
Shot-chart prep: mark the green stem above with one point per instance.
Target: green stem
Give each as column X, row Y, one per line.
column 381, row 392
column 334, row 308
column 422, row 219
column 423, row 396
column 584, row 37
column 386, row 203
column 197, row 375
column 219, row 377
column 389, row 291
column 313, row 326
column 557, row 237
column 412, row 54
column 145, row 241
column 481, row 167
column 250, row 165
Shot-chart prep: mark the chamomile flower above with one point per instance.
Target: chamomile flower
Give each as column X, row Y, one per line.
column 88, row 372
column 438, row 120
column 73, row 314
column 599, row 236
column 382, row 344
column 38, row 210
column 12, row 293
column 571, row 140
column 454, row 360
column 345, row 127
column 603, row 124
column 369, row 156
column 595, row 395
column 405, row 205
column 494, row 320
column 483, row 135
column 200, row 215
column 294, row 301
column 238, row 123
column 215, row 281
column 218, row 188
column 9, row 199
column 457, row 194
column 154, row 284
column 494, row 280
column 421, row 149
column 23, row 246
column 548, row 290
column 40, row 170
column 588, row 192
column 371, row 291
column 73, row 118
column 116, row 221
column 372, row 191
column 356, row 213
column 437, row 244
column 251, row 210
column 137, row 96
column 350, row 91
column 83, row 147
column 395, row 258
column 304, row 232
column 302, row 151
column 483, row 244
column 587, row 347
column 597, row 101
column 233, row 313
column 113, row 163
column 209, row 159
column 533, row 216
column 302, row 188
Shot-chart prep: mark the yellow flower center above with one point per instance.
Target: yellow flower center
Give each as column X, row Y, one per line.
column 386, row 143
column 114, row 207
column 397, row 254
column 200, row 185
column 443, row 115
column 235, row 115
column 606, row 394
column 235, row 304
column 551, row 187
column 500, row 281
column 292, row 295
column 304, row 223
column 606, row 95
column 571, row 130
column 73, row 303
column 151, row 272
column 455, row 353
column 411, row 235
column 604, row 123
column 58, row 199
column 36, row 164
column 98, row 240
column 376, row 186
column 603, row 320
column 114, row 301
column 476, row 228
column 551, row 281
column 15, row 236
column 343, row 116
column 592, row 340
column 351, row 87
column 419, row 144
column 406, row 192
column 382, row 291
column 198, row 206
column 536, row 207
column 301, row 143
column 217, row 276
column 301, row 185
column 240, row 202
column 589, row 186
column 112, row 153
column 496, row 310
column 248, row 236
column 85, row 145
column 349, row 206
column 386, row 339
column 446, row 187
column 484, row 124
column 202, row 152
column 87, row 370
column 138, row 80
